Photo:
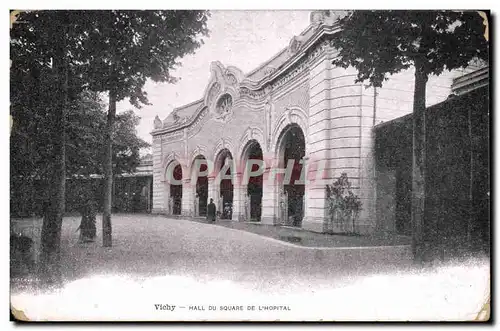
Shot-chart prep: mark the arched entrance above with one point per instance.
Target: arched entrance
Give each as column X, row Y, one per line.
column 253, row 192
column 291, row 194
column 175, row 187
column 224, row 162
column 200, row 165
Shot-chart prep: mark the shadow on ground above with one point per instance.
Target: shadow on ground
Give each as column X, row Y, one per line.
column 311, row 239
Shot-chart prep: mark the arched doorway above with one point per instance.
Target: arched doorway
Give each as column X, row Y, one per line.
column 175, row 196
column 200, row 165
column 253, row 191
column 224, row 162
column 291, row 195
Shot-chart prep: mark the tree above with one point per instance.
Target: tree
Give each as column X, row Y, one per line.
column 381, row 43
column 86, row 120
column 121, row 50
column 343, row 204
column 86, row 126
column 42, row 40
column 126, row 143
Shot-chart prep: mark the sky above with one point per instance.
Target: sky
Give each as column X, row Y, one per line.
column 244, row 39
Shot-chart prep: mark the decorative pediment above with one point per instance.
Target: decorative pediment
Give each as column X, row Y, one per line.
column 222, row 90
column 170, row 122
column 228, row 87
column 295, row 44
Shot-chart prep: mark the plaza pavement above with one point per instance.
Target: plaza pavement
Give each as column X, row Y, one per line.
column 158, row 260
column 146, row 245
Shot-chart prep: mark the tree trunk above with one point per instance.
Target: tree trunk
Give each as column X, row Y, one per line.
column 108, row 172
column 54, row 208
column 471, row 217
column 418, row 164
column 353, row 218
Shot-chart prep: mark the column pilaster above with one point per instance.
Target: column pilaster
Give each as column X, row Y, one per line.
column 238, row 198
column 187, row 197
column 269, row 199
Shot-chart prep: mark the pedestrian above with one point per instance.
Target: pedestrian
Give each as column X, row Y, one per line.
column 211, row 211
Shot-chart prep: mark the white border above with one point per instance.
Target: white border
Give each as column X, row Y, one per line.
column 214, row 4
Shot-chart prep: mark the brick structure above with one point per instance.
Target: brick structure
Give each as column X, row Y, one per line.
column 298, row 94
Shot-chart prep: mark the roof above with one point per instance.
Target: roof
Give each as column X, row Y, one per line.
column 188, row 110
column 277, row 60
column 471, row 81
column 321, row 22
column 183, row 111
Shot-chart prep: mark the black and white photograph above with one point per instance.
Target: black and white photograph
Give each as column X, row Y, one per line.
column 319, row 165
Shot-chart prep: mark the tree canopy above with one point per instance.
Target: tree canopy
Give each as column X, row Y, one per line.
column 381, row 43
column 110, row 51
column 121, row 49
column 86, row 121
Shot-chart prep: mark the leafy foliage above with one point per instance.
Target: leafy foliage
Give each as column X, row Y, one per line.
column 126, row 143
column 380, row 43
column 343, row 204
column 86, row 122
column 121, row 49
column 114, row 51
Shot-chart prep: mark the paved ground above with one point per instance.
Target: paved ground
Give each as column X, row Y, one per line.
column 147, row 245
column 310, row 239
column 169, row 258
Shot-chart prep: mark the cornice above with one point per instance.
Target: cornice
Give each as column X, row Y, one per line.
column 321, row 31
column 189, row 122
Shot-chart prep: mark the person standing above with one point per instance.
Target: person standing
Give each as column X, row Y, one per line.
column 211, row 211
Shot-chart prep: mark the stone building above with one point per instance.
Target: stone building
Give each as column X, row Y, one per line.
column 295, row 106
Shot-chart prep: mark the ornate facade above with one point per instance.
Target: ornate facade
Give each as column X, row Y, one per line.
column 296, row 106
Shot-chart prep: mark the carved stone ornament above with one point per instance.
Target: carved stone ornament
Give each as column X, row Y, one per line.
column 230, row 78
column 176, row 116
column 223, row 108
column 288, row 114
column 317, row 17
column 158, row 124
column 295, row 44
column 223, row 90
column 269, row 70
column 326, row 17
column 336, row 15
column 214, row 91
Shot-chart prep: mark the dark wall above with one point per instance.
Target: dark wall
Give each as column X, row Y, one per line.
column 457, row 171
column 393, row 159
column 130, row 194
